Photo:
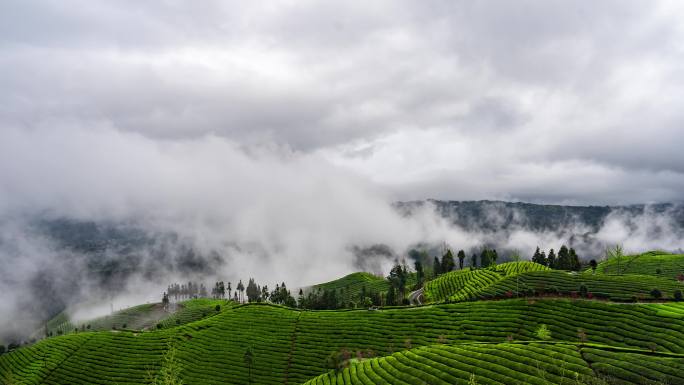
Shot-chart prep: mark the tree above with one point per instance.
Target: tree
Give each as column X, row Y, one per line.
column 398, row 277
column 543, row 332
column 436, row 268
column 165, row 301
column 473, row 261
column 391, row 299
column 615, row 252
column 485, row 258
column 229, row 290
column 551, row 259
column 170, row 371
column 240, row 287
column 337, row 360
column 538, row 257
column 593, row 265
column 420, row 276
column 575, row 264
column 656, row 293
column 253, row 291
column 2, row 349
column 461, row 258
column 677, row 295
column 493, row 256
column 447, row 262
column 264, row 293
column 563, row 262
column 249, row 361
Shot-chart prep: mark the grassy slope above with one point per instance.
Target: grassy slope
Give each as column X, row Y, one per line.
column 670, row 265
column 464, row 284
column 291, row 346
column 138, row 317
column 616, row 288
column 510, row 363
column 639, row 278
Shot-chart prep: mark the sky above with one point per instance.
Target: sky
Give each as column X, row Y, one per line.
column 277, row 133
column 541, row 101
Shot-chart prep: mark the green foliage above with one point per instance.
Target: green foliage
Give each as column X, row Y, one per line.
column 170, row 371
column 623, row 288
column 656, row 293
column 543, row 332
column 348, row 288
column 670, row 265
column 465, row 284
column 510, row 363
column 293, row 344
column 448, row 262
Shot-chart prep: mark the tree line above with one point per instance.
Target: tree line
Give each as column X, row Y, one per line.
column 566, row 259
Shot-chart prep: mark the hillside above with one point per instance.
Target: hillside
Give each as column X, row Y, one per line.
column 656, row 263
column 350, row 286
column 644, row 277
column 292, row 346
column 464, row 284
column 139, row 317
column 510, row 363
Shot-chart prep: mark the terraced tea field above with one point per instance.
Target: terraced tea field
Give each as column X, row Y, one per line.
column 521, row 279
column 292, row 346
column 136, row 318
column 616, row 288
column 349, row 287
column 462, row 285
column 510, row 363
column 652, row 263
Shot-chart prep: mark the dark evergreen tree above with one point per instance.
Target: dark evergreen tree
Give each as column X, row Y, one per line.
column 461, row 258
column 448, row 263
column 485, row 258
column 575, row 264
column 240, row 287
column 539, row 257
column 436, row 268
column 593, row 265
column 420, row 276
column 473, row 261
column 391, row 299
column 551, row 259
column 563, row 261
column 253, row 291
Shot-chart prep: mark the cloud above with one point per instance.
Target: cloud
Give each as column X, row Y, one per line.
column 278, row 133
column 566, row 88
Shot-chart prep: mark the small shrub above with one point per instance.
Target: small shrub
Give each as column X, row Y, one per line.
column 159, row 326
column 677, row 295
column 217, row 308
column 657, row 294
column 124, row 326
column 177, row 321
column 658, row 271
column 543, row 332
column 582, row 335
column 2, row 349
column 583, row 290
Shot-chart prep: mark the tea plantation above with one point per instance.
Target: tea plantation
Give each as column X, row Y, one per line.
column 292, row 346
column 549, row 337
column 656, row 263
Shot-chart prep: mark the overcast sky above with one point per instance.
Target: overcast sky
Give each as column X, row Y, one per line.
column 542, row 101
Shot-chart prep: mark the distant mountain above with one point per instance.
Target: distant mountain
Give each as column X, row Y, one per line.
column 499, row 215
